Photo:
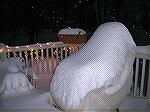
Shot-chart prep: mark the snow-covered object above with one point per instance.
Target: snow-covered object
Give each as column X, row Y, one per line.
column 14, row 83
column 71, row 31
column 104, row 62
column 14, row 76
column 13, row 65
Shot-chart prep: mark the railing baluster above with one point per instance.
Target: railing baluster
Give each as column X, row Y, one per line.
column 37, row 55
column 56, row 55
column 142, row 79
column 42, row 54
column 52, row 60
column 66, row 51
column 32, row 58
column 61, row 53
column 148, row 88
column 26, row 58
column 8, row 53
column 37, row 60
column 47, row 55
column 20, row 54
column 47, row 60
column 14, row 54
column 136, row 76
column 70, row 50
column 41, row 60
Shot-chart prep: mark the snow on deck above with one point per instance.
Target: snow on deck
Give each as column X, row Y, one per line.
column 135, row 104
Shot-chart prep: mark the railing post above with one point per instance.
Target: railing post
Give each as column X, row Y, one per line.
column 136, row 77
column 148, row 88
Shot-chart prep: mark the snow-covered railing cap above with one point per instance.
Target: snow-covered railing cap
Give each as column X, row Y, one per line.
column 71, row 31
column 143, row 52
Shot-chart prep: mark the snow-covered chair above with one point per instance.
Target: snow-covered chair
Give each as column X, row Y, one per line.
column 99, row 75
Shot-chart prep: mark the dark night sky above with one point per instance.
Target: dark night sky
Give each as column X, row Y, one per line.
column 18, row 14
column 32, row 16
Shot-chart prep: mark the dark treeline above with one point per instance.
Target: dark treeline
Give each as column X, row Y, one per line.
column 34, row 16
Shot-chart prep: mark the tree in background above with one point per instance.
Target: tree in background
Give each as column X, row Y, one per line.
column 33, row 16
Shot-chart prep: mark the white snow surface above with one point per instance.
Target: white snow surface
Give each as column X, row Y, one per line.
column 135, row 104
column 98, row 64
column 33, row 100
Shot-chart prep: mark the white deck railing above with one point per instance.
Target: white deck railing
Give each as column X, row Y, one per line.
column 42, row 57
column 54, row 50
column 57, row 51
column 141, row 77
